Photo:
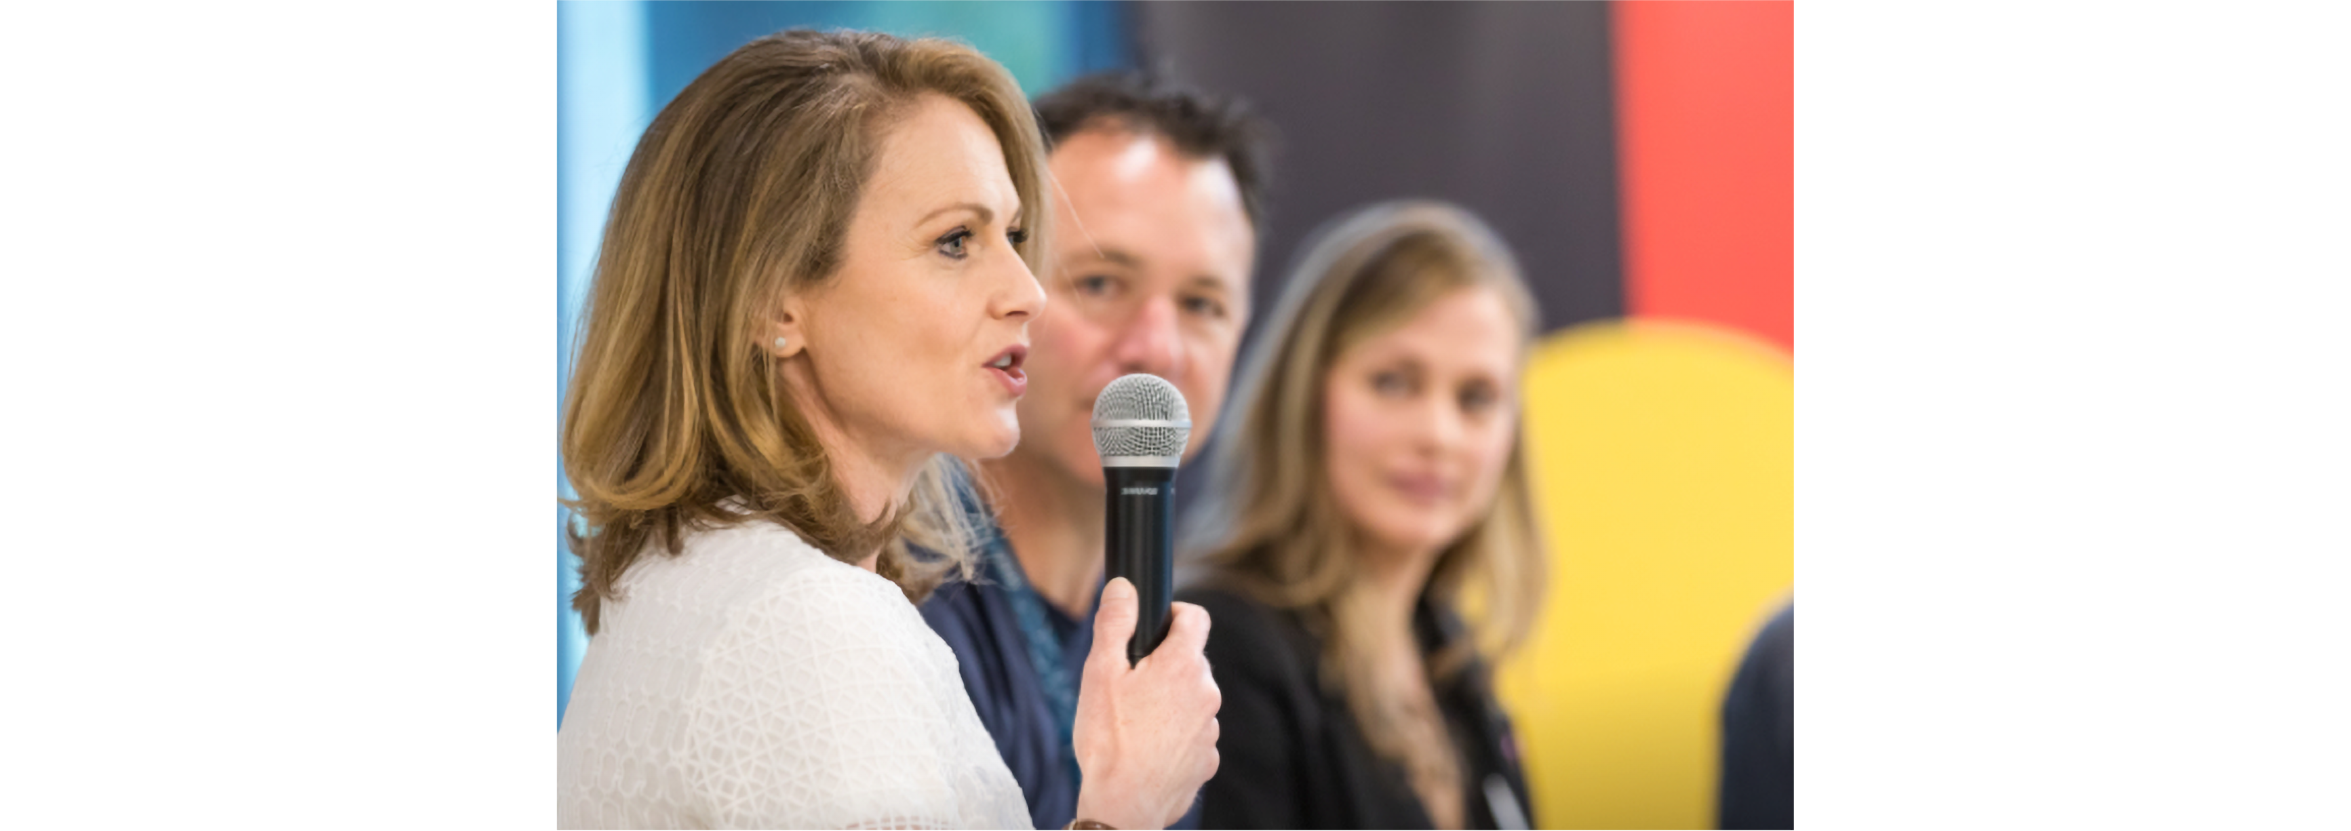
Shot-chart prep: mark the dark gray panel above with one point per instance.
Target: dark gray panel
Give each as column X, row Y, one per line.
column 1505, row 108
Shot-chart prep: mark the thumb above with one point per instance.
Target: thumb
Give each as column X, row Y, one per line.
column 1114, row 623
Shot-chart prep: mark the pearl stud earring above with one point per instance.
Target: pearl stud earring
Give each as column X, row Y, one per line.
column 779, row 343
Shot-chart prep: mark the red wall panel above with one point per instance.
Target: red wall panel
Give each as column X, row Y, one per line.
column 1706, row 141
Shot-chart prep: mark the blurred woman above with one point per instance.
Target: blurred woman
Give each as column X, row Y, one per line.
column 812, row 299
column 1374, row 479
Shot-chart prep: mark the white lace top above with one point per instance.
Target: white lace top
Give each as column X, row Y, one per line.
column 753, row 681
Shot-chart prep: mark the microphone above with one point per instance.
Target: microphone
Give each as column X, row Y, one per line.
column 1140, row 428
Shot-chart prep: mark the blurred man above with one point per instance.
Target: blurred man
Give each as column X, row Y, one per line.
column 1156, row 195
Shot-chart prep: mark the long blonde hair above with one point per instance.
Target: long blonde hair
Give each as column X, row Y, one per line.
column 1271, row 526
column 740, row 193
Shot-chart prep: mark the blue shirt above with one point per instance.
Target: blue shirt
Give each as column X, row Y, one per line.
column 1022, row 677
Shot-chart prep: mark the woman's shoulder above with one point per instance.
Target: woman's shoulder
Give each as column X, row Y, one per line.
column 712, row 660
column 811, row 662
column 1229, row 605
column 1246, row 630
column 780, row 571
column 799, row 626
column 750, row 574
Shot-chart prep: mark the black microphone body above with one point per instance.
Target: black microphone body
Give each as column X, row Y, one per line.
column 1140, row 543
column 1141, row 426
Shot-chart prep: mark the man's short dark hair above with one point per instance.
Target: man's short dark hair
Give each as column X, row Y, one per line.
column 1200, row 125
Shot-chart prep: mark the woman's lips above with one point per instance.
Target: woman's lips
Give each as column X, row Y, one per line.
column 1419, row 488
column 1009, row 374
column 1014, row 380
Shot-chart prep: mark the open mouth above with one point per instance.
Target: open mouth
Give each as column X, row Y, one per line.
column 1006, row 365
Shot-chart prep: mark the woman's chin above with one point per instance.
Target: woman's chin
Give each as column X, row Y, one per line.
column 996, row 444
column 1411, row 530
column 987, row 437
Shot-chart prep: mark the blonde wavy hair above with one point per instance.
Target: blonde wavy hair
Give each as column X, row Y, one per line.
column 1270, row 525
column 739, row 194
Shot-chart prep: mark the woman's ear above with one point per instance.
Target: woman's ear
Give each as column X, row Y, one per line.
column 785, row 335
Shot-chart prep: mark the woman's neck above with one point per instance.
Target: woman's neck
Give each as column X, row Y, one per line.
column 873, row 486
column 874, row 475
column 1394, row 579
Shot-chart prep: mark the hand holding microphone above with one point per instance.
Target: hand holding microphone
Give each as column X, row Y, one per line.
column 1146, row 732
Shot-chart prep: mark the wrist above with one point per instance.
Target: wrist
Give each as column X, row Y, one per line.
column 1093, row 814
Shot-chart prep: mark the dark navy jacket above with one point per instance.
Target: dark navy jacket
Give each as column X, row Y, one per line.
column 1758, row 787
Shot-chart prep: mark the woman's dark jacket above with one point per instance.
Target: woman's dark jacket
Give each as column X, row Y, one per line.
column 1291, row 754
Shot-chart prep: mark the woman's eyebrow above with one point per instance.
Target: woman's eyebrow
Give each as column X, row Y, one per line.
column 986, row 216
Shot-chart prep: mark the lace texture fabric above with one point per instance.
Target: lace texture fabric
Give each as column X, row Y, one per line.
column 753, row 682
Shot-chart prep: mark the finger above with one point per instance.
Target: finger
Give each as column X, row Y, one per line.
column 1114, row 623
column 1187, row 632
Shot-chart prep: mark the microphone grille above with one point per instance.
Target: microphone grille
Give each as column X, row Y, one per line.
column 1145, row 398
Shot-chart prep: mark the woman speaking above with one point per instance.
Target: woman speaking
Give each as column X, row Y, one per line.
column 1371, row 475
column 810, row 306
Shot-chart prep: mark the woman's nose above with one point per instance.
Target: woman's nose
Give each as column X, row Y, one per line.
column 1023, row 295
column 1439, row 424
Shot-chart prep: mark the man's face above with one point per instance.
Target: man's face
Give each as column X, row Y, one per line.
column 1151, row 260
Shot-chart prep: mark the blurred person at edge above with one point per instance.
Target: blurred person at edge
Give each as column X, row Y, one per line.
column 1371, row 474
column 1156, row 203
column 1758, row 784
column 811, row 301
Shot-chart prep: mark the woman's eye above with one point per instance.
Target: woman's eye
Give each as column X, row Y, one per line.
column 1017, row 235
column 952, row 244
column 1479, row 399
column 1390, row 383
